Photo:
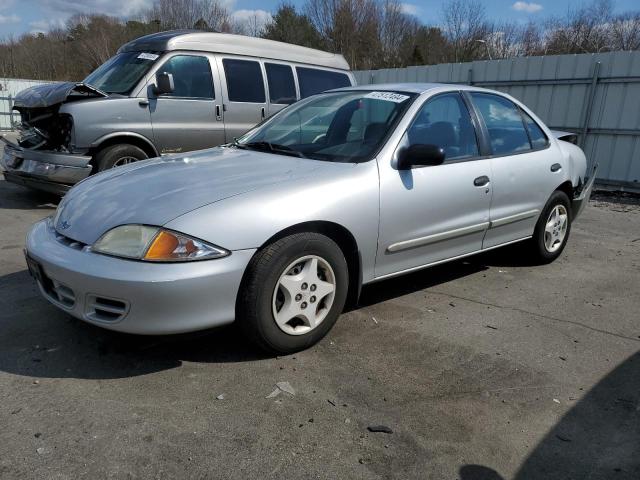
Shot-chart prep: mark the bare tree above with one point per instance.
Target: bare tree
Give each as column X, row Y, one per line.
column 625, row 32
column 466, row 28
column 200, row 14
column 582, row 30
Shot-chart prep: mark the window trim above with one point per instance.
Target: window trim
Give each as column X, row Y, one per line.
column 546, row 137
column 175, row 97
column 263, row 72
column 485, row 130
column 474, row 121
column 293, row 77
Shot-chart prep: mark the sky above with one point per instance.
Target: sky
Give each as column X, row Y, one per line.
column 23, row 16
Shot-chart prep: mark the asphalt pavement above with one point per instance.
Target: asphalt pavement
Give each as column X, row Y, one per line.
column 484, row 369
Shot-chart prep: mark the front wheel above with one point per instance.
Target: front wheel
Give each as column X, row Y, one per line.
column 118, row 155
column 293, row 292
column 552, row 230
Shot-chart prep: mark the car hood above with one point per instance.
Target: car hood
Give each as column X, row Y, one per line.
column 50, row 94
column 153, row 192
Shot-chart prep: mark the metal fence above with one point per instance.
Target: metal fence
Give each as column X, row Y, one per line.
column 9, row 88
column 594, row 95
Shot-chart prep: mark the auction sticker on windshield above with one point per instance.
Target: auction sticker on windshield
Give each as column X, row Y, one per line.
column 388, row 96
column 148, row 56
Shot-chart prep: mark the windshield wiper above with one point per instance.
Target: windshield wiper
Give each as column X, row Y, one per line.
column 271, row 147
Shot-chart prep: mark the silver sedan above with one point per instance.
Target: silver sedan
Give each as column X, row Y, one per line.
column 277, row 229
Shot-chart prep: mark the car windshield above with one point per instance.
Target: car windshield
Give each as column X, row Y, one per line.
column 121, row 73
column 347, row 126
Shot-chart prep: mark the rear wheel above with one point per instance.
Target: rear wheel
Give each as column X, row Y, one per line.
column 118, row 155
column 552, row 230
column 293, row 292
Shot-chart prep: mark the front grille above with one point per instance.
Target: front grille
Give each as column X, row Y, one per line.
column 69, row 242
column 105, row 309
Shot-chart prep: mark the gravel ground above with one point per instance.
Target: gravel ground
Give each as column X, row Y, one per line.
column 483, row 369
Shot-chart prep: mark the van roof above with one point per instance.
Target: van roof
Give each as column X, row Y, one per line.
column 233, row 44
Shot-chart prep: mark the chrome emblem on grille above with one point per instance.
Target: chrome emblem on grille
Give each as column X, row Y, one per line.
column 64, row 225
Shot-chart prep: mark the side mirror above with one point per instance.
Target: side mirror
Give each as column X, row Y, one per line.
column 420, row 155
column 164, row 84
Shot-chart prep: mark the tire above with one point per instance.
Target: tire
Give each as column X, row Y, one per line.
column 115, row 155
column 541, row 240
column 262, row 297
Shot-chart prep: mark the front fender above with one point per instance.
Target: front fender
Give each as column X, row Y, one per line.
column 347, row 195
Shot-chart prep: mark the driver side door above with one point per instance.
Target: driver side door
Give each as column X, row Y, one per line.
column 189, row 118
column 430, row 214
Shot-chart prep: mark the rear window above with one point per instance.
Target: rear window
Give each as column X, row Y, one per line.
column 244, row 81
column 312, row 80
column 282, row 88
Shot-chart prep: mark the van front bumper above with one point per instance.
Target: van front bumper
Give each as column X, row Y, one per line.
column 133, row 296
column 45, row 170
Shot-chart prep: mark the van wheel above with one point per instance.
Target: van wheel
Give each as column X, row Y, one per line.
column 293, row 292
column 552, row 230
column 118, row 155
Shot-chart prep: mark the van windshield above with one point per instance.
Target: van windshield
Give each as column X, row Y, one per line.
column 347, row 126
column 121, row 73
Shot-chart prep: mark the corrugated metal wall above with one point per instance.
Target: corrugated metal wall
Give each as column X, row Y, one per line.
column 9, row 88
column 595, row 95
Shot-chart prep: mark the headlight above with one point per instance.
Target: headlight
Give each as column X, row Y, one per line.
column 155, row 244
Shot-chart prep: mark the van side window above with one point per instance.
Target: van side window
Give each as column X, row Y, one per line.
column 504, row 122
column 282, row 88
column 191, row 76
column 314, row 81
column 537, row 136
column 244, row 80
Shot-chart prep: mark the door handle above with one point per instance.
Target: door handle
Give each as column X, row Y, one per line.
column 262, row 113
column 481, row 181
column 556, row 167
column 218, row 114
column 143, row 103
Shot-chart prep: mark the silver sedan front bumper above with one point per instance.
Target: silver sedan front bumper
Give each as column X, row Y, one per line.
column 133, row 296
column 51, row 171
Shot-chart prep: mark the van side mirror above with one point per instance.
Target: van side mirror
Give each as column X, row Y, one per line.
column 420, row 155
column 164, row 84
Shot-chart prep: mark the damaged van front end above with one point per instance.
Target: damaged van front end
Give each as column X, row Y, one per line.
column 45, row 156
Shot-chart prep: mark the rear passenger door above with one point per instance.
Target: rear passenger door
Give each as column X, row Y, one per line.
column 244, row 95
column 520, row 164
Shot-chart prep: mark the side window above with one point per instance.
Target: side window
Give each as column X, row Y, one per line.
column 191, row 76
column 444, row 121
column 244, row 80
column 537, row 136
column 312, row 80
column 282, row 88
column 504, row 122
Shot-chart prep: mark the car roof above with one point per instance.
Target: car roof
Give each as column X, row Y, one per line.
column 195, row 40
column 418, row 88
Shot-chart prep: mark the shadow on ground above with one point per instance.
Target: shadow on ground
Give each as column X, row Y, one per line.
column 38, row 340
column 599, row 438
column 16, row 197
